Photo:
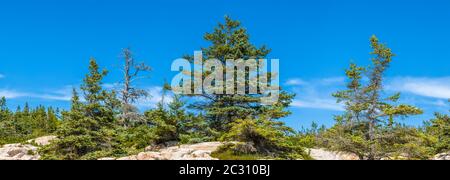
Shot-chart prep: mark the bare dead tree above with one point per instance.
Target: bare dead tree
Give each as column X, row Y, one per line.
column 130, row 94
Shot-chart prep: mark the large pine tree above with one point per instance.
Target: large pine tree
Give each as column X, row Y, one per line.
column 231, row 41
column 366, row 127
column 87, row 131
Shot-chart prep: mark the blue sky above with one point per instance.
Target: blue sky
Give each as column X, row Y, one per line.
column 45, row 45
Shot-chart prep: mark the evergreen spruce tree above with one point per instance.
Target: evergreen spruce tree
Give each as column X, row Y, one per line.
column 22, row 125
column 39, row 120
column 265, row 138
column 87, row 131
column 226, row 113
column 370, row 117
column 439, row 128
column 52, row 120
column 231, row 41
column 6, row 126
column 171, row 122
column 175, row 124
column 22, row 121
column 5, row 114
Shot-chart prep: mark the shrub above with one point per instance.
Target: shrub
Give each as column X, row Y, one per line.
column 269, row 138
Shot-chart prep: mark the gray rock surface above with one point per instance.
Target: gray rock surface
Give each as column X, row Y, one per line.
column 201, row 151
column 442, row 156
column 322, row 154
column 42, row 141
column 24, row 151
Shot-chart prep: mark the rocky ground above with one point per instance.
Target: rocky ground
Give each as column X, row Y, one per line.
column 168, row 151
column 26, row 151
column 200, row 151
column 443, row 156
column 322, row 154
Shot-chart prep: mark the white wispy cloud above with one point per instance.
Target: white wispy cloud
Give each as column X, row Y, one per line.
column 427, row 87
column 419, row 91
column 111, row 86
column 316, row 93
column 295, row 82
column 441, row 103
column 11, row 94
column 327, row 104
column 340, row 80
column 315, row 82
column 155, row 97
column 63, row 94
